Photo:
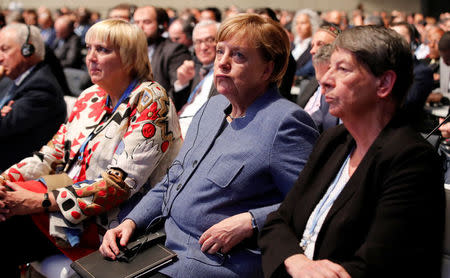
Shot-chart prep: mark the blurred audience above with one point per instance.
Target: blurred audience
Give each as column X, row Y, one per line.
column 67, row 45
column 165, row 55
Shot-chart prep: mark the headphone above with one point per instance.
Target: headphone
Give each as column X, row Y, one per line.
column 27, row 48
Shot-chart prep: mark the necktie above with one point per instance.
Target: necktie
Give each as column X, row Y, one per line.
column 8, row 96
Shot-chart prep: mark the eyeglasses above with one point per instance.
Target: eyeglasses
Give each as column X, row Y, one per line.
column 209, row 41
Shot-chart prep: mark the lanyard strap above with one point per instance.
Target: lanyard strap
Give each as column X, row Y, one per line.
column 326, row 201
column 96, row 130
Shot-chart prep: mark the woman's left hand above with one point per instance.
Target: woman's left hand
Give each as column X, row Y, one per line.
column 20, row 201
column 227, row 233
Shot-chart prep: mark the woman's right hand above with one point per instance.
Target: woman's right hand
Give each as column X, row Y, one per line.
column 123, row 232
column 299, row 266
column 186, row 72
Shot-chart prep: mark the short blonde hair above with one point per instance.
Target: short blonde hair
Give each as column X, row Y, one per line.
column 266, row 35
column 131, row 42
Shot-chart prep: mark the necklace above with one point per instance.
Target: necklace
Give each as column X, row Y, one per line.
column 230, row 118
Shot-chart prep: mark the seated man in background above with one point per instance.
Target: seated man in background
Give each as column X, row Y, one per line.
column 33, row 106
column 165, row 55
column 67, row 45
column 196, row 80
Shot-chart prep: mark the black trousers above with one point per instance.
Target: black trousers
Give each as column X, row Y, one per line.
column 22, row 242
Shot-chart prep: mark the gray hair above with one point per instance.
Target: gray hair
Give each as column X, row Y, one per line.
column 21, row 31
column 205, row 23
column 380, row 49
column 314, row 19
column 323, row 54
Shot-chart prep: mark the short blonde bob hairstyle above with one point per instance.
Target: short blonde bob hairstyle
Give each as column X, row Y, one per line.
column 265, row 34
column 129, row 40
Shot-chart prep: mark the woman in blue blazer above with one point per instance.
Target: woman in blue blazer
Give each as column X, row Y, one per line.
column 242, row 153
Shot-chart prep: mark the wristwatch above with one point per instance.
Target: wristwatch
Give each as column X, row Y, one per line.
column 46, row 202
column 254, row 226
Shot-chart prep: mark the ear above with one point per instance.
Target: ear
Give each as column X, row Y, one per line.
column 268, row 69
column 385, row 83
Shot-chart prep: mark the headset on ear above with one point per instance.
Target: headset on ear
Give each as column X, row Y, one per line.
column 27, row 48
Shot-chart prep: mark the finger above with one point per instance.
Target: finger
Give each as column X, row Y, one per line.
column 13, row 186
column 109, row 245
column 333, row 269
column 188, row 63
column 204, row 236
column 125, row 237
column 214, row 248
column 106, row 251
column 207, row 244
column 11, row 102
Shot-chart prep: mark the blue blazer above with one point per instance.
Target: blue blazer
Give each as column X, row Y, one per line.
column 225, row 169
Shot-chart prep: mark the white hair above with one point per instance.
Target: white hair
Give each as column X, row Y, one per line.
column 314, row 20
column 35, row 38
column 205, row 23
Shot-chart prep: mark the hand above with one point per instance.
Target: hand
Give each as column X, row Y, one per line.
column 20, row 201
column 227, row 233
column 445, row 129
column 124, row 231
column 4, row 211
column 299, row 266
column 186, row 72
column 7, row 108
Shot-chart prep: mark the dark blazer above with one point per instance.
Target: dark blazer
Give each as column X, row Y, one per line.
column 38, row 111
column 322, row 117
column 420, row 89
column 388, row 220
column 69, row 54
column 167, row 57
column 308, row 92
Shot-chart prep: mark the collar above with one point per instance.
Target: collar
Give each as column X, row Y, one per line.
column 22, row 77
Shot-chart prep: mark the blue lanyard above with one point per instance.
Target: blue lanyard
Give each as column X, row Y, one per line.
column 198, row 87
column 326, row 201
column 124, row 96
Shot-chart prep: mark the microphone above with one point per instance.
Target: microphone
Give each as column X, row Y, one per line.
column 438, row 126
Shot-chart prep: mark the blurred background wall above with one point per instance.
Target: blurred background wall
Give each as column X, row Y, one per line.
column 429, row 7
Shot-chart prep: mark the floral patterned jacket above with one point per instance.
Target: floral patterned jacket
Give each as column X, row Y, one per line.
column 131, row 146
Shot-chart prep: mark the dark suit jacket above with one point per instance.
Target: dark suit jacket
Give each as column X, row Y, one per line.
column 38, row 111
column 308, row 92
column 69, row 54
column 322, row 117
column 387, row 221
column 168, row 56
column 420, row 89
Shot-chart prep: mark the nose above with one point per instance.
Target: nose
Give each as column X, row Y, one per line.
column 223, row 62
column 91, row 55
column 327, row 81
